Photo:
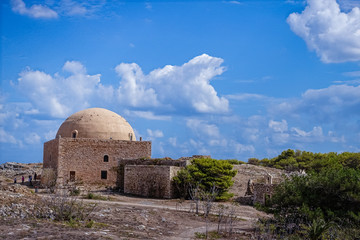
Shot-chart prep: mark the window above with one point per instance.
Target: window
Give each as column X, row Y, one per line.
column 106, row 158
column 72, row 176
column 74, row 134
column 103, row 174
column 130, row 136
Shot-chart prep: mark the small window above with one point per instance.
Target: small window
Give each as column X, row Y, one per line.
column 130, row 136
column 106, row 158
column 74, row 134
column 72, row 176
column 103, row 174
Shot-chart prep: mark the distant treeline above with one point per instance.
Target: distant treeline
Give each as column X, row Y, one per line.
column 291, row 160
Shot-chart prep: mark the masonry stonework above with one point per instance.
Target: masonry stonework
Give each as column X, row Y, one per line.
column 85, row 158
column 150, row 180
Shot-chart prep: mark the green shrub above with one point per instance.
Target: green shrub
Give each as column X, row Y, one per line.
column 206, row 173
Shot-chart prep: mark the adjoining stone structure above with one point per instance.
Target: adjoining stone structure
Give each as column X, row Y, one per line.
column 87, row 146
column 149, row 177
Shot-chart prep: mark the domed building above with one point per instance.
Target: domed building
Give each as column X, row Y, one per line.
column 89, row 145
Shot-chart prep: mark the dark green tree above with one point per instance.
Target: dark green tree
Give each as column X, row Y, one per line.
column 206, row 173
column 325, row 198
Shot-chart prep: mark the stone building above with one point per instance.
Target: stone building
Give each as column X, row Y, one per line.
column 88, row 146
column 98, row 147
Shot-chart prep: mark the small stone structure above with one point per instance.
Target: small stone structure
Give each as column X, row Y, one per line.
column 259, row 190
column 150, row 177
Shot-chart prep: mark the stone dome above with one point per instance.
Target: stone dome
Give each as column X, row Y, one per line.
column 96, row 123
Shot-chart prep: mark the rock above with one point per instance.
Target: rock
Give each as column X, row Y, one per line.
column 141, row 227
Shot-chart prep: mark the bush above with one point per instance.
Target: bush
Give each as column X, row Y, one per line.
column 314, row 205
column 206, row 173
column 62, row 207
column 96, row 197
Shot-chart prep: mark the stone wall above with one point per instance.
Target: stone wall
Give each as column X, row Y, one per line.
column 149, row 180
column 50, row 155
column 262, row 192
column 84, row 157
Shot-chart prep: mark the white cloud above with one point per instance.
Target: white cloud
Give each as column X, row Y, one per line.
column 327, row 104
column 155, row 133
column 5, row 137
column 247, row 96
column 173, row 87
column 60, row 96
column 50, row 135
column 73, row 8
column 315, row 132
column 352, row 74
column 241, row 148
column 172, row 141
column 202, row 128
column 35, row 11
column 33, row 138
column 147, row 115
column 278, row 126
column 334, row 35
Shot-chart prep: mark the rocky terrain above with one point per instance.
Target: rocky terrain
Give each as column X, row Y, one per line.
column 25, row 214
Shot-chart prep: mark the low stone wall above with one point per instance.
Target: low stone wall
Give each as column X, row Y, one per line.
column 149, row 180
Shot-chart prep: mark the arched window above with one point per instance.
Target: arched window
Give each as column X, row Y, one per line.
column 74, row 134
column 106, row 158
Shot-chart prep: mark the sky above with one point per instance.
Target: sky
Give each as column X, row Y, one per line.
column 230, row 79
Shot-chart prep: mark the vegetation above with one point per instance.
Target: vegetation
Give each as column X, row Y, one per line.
column 62, row 207
column 233, row 161
column 96, row 197
column 302, row 160
column 322, row 204
column 204, row 174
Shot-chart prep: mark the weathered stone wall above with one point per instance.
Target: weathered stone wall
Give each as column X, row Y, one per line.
column 85, row 157
column 149, row 181
column 262, row 191
column 51, row 154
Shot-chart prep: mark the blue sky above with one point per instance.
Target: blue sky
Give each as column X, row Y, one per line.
column 230, row 79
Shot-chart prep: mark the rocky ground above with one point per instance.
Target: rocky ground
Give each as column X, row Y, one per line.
column 25, row 214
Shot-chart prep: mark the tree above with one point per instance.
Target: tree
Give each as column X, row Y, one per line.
column 206, row 173
column 316, row 201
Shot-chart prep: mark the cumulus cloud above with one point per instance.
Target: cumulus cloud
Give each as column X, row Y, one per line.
column 155, row 133
column 5, row 137
column 315, row 135
column 333, row 34
column 247, row 96
column 173, row 87
column 35, row 11
column 147, row 115
column 60, row 96
column 202, row 128
column 32, row 138
column 278, row 126
column 327, row 104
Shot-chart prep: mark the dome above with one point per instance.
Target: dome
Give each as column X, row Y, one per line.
column 96, row 123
